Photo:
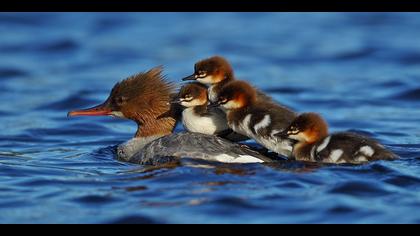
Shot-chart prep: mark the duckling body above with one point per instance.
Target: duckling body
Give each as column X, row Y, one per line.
column 258, row 119
column 316, row 145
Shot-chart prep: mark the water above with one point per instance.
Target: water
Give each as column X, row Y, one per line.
column 361, row 71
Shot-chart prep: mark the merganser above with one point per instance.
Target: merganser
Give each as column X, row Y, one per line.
column 216, row 72
column 198, row 118
column 258, row 119
column 145, row 98
column 316, row 145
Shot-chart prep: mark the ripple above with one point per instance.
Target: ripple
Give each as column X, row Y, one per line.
column 107, row 24
column 357, row 54
column 403, row 181
column 410, row 95
column 359, row 189
column 6, row 73
column 58, row 46
column 393, row 84
column 95, row 199
column 134, row 219
column 291, row 185
column 340, row 209
column 73, row 129
column 31, row 19
column 284, row 90
column 75, row 101
column 25, row 138
column 50, row 163
column 412, row 58
column 232, row 205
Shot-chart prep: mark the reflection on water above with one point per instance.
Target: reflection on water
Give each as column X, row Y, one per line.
column 359, row 70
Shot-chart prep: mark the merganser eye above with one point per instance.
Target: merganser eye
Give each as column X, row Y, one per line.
column 120, row 100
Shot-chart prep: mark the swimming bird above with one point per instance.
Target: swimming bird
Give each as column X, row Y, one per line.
column 145, row 99
column 314, row 144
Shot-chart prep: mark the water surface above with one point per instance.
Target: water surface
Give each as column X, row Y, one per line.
column 359, row 70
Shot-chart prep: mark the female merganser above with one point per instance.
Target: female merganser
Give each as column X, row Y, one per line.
column 216, row 72
column 258, row 119
column 198, row 118
column 145, row 98
column 316, row 145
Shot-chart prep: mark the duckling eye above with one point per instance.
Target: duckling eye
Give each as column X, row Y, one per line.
column 202, row 74
column 188, row 97
column 223, row 100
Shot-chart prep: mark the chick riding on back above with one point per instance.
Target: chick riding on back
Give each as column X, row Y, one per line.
column 258, row 119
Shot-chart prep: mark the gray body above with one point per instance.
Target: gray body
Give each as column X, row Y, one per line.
column 187, row 145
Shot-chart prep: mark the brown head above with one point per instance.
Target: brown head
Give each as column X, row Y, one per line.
column 212, row 70
column 191, row 95
column 236, row 95
column 143, row 98
column 307, row 127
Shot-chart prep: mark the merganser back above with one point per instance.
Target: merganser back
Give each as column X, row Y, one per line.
column 258, row 119
column 216, row 72
column 316, row 145
column 145, row 99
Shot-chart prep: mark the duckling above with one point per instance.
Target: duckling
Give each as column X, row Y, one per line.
column 316, row 145
column 197, row 117
column 216, row 72
column 256, row 118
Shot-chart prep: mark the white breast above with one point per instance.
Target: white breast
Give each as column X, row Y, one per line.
column 212, row 94
column 212, row 124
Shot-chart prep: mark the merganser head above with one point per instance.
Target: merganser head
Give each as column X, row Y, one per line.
column 307, row 127
column 211, row 71
column 191, row 95
column 236, row 95
column 143, row 98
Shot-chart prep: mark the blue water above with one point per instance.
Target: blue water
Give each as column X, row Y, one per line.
column 360, row 71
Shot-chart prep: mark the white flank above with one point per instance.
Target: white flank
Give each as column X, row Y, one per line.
column 335, row 155
column 243, row 127
column 241, row 159
column 263, row 123
column 361, row 159
column 274, row 132
column 324, row 144
column 313, row 153
column 367, row 150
